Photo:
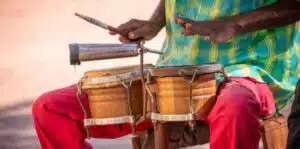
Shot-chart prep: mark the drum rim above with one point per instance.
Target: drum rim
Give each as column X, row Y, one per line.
column 129, row 67
column 106, row 79
column 173, row 71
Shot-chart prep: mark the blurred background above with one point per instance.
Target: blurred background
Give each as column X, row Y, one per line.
column 34, row 38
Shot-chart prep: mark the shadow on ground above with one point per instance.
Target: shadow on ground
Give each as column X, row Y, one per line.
column 16, row 127
column 17, row 130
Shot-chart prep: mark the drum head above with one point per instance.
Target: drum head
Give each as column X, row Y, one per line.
column 186, row 70
column 111, row 77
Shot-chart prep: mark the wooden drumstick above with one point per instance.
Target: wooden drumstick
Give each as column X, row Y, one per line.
column 104, row 25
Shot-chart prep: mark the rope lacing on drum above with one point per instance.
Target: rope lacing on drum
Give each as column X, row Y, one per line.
column 79, row 93
column 127, row 85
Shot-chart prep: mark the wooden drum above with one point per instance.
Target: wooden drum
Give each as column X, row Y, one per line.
column 180, row 92
column 115, row 95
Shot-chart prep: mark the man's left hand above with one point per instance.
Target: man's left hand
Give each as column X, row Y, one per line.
column 214, row 31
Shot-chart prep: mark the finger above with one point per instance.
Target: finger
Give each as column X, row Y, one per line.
column 217, row 38
column 112, row 33
column 124, row 39
column 206, row 38
column 187, row 32
column 179, row 21
column 130, row 25
column 195, row 28
column 211, row 38
column 183, row 21
column 139, row 33
column 188, row 29
column 188, row 26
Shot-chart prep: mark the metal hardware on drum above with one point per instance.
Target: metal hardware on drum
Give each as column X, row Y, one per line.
column 152, row 51
column 91, row 52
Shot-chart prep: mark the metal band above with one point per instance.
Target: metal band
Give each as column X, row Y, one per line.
column 108, row 121
column 172, row 118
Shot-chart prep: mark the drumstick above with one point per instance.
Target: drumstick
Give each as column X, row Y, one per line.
column 103, row 25
column 110, row 28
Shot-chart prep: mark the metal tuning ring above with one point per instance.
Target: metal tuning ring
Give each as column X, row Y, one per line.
column 143, row 49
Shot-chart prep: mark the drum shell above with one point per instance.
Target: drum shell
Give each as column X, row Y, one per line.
column 112, row 102
column 173, row 94
column 275, row 132
column 108, row 97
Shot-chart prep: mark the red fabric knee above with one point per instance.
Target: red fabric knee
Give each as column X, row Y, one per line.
column 58, row 119
column 56, row 116
column 234, row 120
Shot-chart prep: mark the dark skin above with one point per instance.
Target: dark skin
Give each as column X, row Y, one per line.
column 279, row 14
column 146, row 30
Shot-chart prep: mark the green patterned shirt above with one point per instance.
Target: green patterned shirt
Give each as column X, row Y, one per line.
column 270, row 56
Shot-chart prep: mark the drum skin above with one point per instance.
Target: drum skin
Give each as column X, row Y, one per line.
column 174, row 95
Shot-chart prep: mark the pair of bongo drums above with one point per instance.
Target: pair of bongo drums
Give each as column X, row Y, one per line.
column 162, row 94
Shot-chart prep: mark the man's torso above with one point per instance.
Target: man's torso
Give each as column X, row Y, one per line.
column 269, row 56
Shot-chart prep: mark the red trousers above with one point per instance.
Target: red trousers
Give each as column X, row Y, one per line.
column 234, row 120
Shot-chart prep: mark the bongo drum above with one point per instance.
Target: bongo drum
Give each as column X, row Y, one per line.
column 178, row 92
column 274, row 131
column 115, row 95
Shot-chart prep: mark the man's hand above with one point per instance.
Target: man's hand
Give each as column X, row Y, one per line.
column 214, row 31
column 278, row 14
column 138, row 29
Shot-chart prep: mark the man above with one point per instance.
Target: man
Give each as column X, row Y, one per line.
column 256, row 61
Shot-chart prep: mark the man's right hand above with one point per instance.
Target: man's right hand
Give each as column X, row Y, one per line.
column 136, row 29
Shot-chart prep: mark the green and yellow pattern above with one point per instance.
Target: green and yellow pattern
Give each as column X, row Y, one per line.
column 270, row 56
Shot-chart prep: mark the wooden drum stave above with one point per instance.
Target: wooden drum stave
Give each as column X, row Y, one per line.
column 181, row 91
column 115, row 95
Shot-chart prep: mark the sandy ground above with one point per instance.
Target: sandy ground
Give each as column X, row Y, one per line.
column 34, row 38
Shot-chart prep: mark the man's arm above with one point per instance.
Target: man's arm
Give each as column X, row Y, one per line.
column 159, row 14
column 145, row 29
column 279, row 14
